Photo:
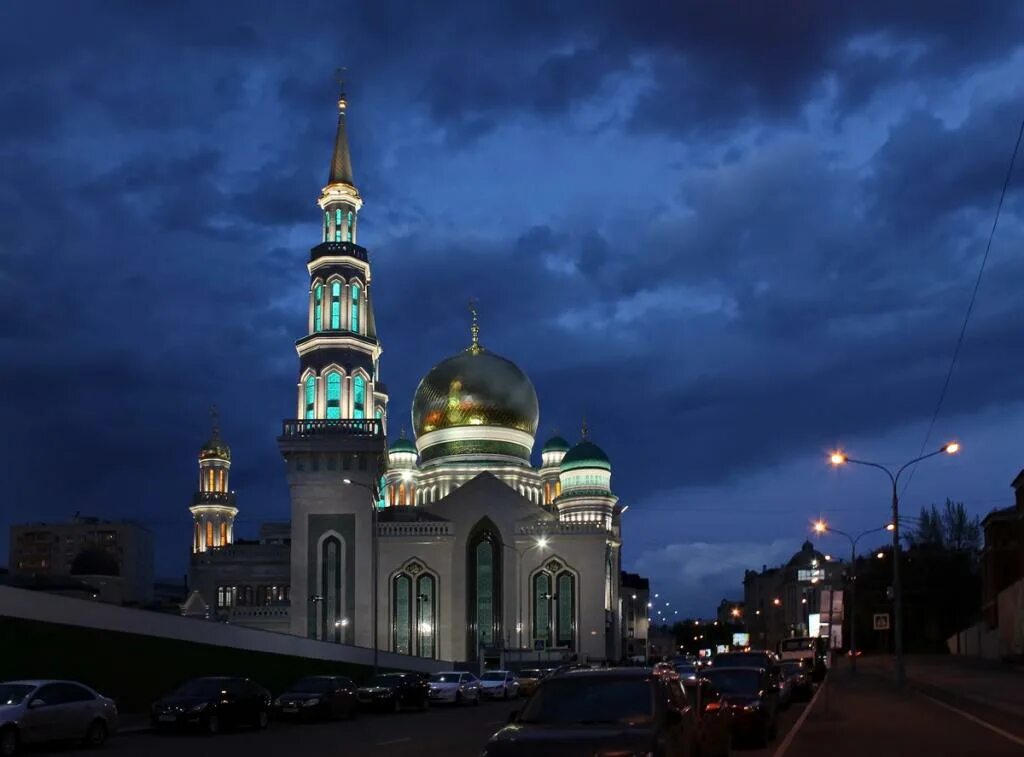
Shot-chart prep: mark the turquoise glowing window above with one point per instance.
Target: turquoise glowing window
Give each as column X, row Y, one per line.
column 402, row 619
column 358, row 397
column 327, row 226
column 310, row 397
column 333, row 395
column 353, row 317
column 379, row 415
column 318, row 307
column 350, row 225
column 337, row 225
column 336, row 305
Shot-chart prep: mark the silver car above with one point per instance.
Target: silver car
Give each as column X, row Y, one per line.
column 36, row 711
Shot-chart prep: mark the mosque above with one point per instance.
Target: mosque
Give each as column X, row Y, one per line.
column 451, row 544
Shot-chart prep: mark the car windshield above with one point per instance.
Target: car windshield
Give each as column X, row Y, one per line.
column 388, row 679
column 14, row 693
column 743, row 682
column 739, row 661
column 202, row 687
column 591, row 700
column 685, row 668
column 789, row 668
column 530, row 673
column 313, row 684
column 445, row 678
column 493, row 677
column 796, row 645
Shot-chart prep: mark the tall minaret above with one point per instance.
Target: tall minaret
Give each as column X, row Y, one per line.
column 213, row 505
column 340, row 355
column 335, row 449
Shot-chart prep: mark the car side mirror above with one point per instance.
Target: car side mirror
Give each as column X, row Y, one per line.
column 36, row 703
column 513, row 716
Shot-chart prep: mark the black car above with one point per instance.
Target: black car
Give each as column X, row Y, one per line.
column 714, row 718
column 752, row 699
column 213, row 704
column 587, row 712
column 767, row 661
column 317, row 698
column 393, row 691
column 800, row 677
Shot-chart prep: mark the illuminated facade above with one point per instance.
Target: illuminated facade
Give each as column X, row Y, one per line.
column 477, row 551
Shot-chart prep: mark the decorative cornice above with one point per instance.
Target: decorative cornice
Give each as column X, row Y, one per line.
column 325, row 340
column 339, row 193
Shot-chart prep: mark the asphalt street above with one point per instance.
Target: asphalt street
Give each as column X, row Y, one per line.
column 442, row 730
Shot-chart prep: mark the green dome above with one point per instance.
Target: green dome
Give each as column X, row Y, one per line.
column 586, row 454
column 555, row 444
column 403, row 445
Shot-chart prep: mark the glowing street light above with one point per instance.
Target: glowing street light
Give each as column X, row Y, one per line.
column 837, row 458
column 880, row 555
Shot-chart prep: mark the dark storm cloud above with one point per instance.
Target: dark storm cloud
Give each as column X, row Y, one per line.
column 160, row 163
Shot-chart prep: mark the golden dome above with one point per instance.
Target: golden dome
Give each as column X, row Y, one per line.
column 475, row 388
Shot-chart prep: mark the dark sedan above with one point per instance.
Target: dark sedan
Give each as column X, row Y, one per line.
column 213, row 704
column 752, row 699
column 714, row 718
column 317, row 698
column 393, row 691
column 800, row 677
column 587, row 712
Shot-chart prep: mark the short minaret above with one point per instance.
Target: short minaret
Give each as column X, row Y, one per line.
column 400, row 478
column 551, row 458
column 585, row 478
column 213, row 505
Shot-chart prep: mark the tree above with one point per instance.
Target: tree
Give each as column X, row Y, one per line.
column 949, row 529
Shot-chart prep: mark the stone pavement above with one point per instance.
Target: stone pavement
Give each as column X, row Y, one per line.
column 862, row 715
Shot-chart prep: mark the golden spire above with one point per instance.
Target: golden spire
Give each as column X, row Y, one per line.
column 585, row 429
column 474, row 329
column 340, row 78
column 214, row 422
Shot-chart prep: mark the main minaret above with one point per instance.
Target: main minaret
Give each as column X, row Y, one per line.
column 335, row 448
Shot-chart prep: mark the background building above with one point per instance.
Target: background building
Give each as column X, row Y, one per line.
column 111, row 560
column 635, row 595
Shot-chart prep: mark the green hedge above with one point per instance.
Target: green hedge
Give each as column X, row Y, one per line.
column 133, row 669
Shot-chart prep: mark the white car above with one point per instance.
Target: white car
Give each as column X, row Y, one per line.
column 33, row 712
column 499, row 684
column 454, row 687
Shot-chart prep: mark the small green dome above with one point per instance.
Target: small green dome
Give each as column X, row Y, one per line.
column 555, row 444
column 586, row 454
column 403, row 445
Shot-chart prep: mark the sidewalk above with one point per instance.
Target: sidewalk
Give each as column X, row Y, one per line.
column 864, row 715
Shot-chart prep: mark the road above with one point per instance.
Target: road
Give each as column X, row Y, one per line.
column 448, row 731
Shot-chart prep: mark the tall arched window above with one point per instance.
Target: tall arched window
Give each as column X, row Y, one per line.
column 318, row 307
column 333, row 394
column 337, row 224
column 566, row 588
column 358, row 397
column 542, row 608
column 425, row 619
column 209, row 534
column 335, row 304
column 327, row 226
column 350, row 223
column 483, row 591
column 309, row 400
column 401, row 588
column 331, row 575
column 353, row 318
column 223, row 532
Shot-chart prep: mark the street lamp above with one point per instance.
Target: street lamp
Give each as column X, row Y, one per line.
column 821, row 527
column 838, row 458
column 374, row 560
column 540, row 543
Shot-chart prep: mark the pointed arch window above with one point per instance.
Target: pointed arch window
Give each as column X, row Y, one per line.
column 483, row 591
column 566, row 615
column 327, row 226
column 309, row 400
column 331, row 575
column 542, row 608
column 223, row 532
column 337, row 224
column 333, row 394
column 425, row 617
column 350, row 226
column 353, row 318
column 358, row 397
column 401, row 588
column 209, row 534
column 318, row 307
column 335, row 304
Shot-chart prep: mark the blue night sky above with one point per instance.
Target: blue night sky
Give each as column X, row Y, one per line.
column 731, row 234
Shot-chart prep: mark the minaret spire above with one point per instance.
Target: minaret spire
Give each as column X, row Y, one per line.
column 474, row 330
column 341, row 160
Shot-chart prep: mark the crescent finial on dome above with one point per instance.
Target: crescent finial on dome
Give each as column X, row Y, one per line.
column 474, row 329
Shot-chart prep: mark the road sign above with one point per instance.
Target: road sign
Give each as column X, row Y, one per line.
column 881, row 621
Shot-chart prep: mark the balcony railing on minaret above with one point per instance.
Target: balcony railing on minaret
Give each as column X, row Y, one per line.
column 223, row 499
column 302, row 429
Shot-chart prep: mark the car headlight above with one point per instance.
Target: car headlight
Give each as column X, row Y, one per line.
column 751, row 707
column 311, row 702
column 198, row 707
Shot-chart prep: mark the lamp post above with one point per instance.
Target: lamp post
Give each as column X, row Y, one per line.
column 821, row 527
column 839, row 458
column 374, row 495
column 542, row 541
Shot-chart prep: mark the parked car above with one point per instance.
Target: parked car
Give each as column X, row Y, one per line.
column 529, row 679
column 317, row 698
column 686, row 671
column 614, row 711
column 393, row 691
column 499, row 684
column 799, row 677
column 455, row 687
column 752, row 698
column 714, row 719
column 33, row 712
column 214, row 704
column 768, row 661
